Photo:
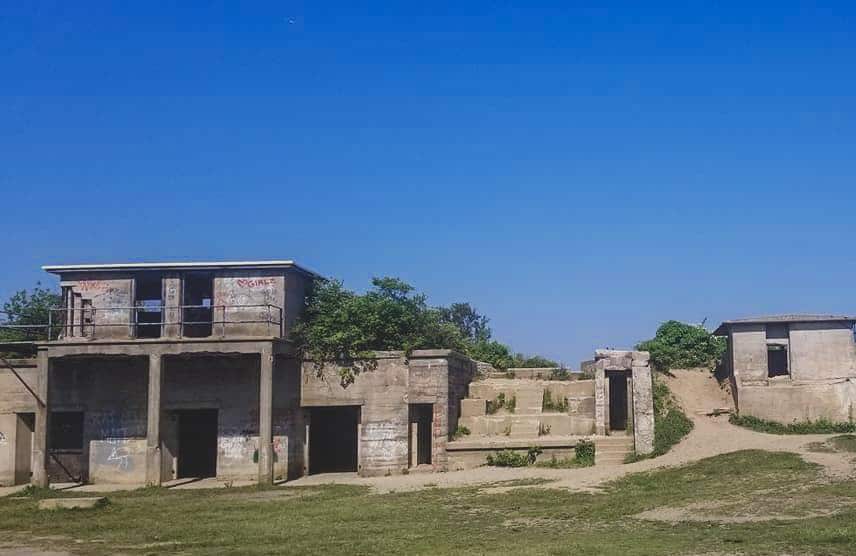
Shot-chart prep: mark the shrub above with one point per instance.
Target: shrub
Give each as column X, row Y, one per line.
column 510, row 404
column 549, row 404
column 555, row 463
column 678, row 345
column 510, row 458
column 821, row 426
column 460, row 432
column 543, row 429
column 584, row 453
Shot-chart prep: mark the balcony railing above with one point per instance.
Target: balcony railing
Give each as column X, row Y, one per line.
column 148, row 321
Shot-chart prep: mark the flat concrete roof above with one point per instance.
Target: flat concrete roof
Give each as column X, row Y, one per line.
column 773, row 319
column 190, row 265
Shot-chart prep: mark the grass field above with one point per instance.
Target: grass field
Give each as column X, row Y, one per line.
column 748, row 502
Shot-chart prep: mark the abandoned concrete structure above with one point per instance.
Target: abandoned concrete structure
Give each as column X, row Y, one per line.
column 152, row 372
column 792, row 367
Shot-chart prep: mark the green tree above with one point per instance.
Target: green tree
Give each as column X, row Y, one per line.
column 678, row 345
column 472, row 325
column 28, row 309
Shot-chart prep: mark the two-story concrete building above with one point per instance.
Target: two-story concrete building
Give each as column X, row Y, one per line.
column 792, row 367
column 153, row 372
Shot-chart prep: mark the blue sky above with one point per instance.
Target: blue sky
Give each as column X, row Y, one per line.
column 580, row 172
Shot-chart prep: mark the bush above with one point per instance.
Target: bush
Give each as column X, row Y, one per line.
column 677, row 345
column 549, row 404
column 510, row 404
column 509, row 458
column 460, row 432
column 584, row 453
column 555, row 463
column 821, row 426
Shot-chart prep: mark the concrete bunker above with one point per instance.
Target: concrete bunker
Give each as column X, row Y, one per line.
column 789, row 368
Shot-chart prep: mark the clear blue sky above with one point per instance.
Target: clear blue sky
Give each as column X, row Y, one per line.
column 580, row 172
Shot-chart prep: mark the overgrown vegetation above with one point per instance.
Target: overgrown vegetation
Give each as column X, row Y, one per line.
column 671, row 424
column 820, row 426
column 548, row 404
column 342, row 326
column 510, row 458
column 678, row 345
column 584, row 453
column 501, row 402
column 460, row 432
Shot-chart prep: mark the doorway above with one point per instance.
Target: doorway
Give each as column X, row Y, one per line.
column 148, row 304
column 197, row 443
column 421, row 420
column 25, row 427
column 333, row 439
column 198, row 305
column 617, row 400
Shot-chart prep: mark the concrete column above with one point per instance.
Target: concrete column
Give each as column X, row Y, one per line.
column 40, row 440
column 153, row 418
column 306, row 452
column 414, row 444
column 601, row 400
column 266, row 416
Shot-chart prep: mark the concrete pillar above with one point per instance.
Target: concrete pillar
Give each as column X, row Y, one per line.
column 306, row 452
column 266, row 416
column 153, row 434
column 414, row 444
column 40, row 440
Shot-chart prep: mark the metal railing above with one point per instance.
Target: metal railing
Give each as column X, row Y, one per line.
column 149, row 321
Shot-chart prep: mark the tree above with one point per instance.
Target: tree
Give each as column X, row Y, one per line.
column 678, row 345
column 473, row 326
column 29, row 309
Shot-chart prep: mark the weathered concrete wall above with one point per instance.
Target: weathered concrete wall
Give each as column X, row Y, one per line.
column 822, row 364
column 641, row 394
column 749, row 352
column 108, row 292
column 436, row 377
column 112, row 392
column 820, row 350
column 236, row 290
column 785, row 402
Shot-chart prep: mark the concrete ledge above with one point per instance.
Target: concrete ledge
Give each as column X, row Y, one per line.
column 521, row 443
column 70, row 503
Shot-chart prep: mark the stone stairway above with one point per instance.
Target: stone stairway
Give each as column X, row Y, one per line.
column 612, row 450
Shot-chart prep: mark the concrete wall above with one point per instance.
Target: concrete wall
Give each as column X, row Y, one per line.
column 436, row 377
column 822, row 380
column 282, row 289
column 112, row 394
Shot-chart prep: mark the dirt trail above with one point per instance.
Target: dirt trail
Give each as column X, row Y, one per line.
column 697, row 392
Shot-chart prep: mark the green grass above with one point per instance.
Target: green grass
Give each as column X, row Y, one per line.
column 821, row 426
column 340, row 519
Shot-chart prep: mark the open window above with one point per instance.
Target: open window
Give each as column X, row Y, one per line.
column 148, row 305
column 198, row 304
column 777, row 350
column 777, row 360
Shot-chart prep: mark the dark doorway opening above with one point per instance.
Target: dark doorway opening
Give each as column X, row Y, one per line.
column 25, row 427
column 421, row 419
column 617, row 401
column 333, row 439
column 148, row 304
column 198, row 305
column 197, row 443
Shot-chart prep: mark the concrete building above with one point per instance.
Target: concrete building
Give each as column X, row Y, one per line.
column 154, row 372
column 792, row 367
column 148, row 373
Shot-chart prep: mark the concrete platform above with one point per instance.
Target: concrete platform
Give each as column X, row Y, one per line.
column 71, row 503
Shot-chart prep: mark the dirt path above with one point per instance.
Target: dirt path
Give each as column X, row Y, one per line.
column 697, row 391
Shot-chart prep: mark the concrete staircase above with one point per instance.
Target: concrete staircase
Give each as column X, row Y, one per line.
column 612, row 450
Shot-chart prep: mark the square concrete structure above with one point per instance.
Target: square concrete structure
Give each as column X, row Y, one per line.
column 792, row 367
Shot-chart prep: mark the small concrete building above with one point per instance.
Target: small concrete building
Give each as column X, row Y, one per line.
column 792, row 367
